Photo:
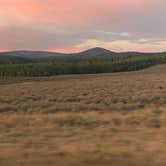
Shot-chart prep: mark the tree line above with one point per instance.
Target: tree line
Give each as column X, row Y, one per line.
column 79, row 66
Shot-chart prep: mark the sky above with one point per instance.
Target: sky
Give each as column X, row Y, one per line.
column 76, row 25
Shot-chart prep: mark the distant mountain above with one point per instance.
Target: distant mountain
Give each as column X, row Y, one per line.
column 96, row 52
column 92, row 61
column 32, row 54
column 8, row 59
column 44, row 56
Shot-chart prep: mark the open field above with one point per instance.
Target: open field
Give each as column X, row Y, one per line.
column 101, row 120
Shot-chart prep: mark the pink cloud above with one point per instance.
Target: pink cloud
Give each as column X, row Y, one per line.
column 71, row 11
column 40, row 24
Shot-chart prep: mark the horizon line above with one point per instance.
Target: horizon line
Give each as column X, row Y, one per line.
column 91, row 48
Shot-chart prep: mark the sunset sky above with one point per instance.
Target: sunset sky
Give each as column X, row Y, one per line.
column 75, row 25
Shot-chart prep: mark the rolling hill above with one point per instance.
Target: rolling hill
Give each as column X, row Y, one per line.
column 90, row 53
column 18, row 57
column 95, row 60
column 44, row 54
column 32, row 54
column 95, row 52
column 10, row 59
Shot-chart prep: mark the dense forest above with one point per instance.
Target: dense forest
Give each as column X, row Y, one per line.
column 71, row 65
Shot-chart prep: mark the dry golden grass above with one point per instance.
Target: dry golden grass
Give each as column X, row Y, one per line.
column 99, row 120
column 105, row 92
column 91, row 138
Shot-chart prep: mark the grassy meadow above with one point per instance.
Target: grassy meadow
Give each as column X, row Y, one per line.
column 102, row 120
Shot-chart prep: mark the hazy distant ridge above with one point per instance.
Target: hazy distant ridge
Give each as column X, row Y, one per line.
column 93, row 52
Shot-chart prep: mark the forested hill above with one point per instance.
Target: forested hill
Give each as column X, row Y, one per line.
column 96, row 60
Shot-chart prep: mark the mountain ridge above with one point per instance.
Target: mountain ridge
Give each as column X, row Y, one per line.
column 92, row 52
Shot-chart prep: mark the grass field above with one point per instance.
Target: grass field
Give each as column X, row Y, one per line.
column 101, row 120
